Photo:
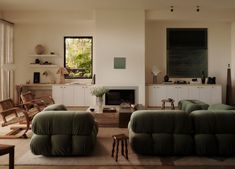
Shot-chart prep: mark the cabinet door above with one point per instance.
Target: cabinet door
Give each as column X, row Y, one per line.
column 68, row 95
column 88, row 98
column 172, row 92
column 152, row 96
column 79, row 95
column 216, row 94
column 57, row 94
column 193, row 92
column 177, row 92
column 182, row 93
column 205, row 94
column 160, row 94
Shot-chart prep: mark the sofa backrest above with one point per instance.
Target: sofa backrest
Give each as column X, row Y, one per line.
column 63, row 123
column 220, row 106
column 161, row 121
column 55, row 107
column 192, row 105
column 214, row 121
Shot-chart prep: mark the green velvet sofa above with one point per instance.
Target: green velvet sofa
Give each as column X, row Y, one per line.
column 58, row 132
column 214, row 132
column 161, row 132
column 200, row 132
column 192, row 105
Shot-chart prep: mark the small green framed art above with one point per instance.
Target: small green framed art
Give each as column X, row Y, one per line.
column 119, row 63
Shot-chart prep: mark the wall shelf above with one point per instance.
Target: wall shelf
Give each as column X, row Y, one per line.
column 46, row 56
column 43, row 66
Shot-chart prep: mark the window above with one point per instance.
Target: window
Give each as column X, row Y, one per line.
column 78, row 57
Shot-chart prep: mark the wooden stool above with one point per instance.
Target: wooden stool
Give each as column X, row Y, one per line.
column 8, row 149
column 123, row 138
column 164, row 101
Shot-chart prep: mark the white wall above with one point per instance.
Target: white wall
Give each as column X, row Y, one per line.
column 51, row 35
column 121, row 33
column 219, row 47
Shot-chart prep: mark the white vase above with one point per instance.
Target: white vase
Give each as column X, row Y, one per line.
column 99, row 104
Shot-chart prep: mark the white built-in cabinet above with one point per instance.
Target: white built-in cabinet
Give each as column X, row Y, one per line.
column 210, row 94
column 156, row 93
column 72, row 95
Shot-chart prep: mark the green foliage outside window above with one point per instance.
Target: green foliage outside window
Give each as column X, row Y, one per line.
column 78, row 57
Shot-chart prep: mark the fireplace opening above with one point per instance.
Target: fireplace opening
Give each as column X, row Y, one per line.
column 118, row 96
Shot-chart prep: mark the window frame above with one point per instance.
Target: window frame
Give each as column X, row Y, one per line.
column 79, row 37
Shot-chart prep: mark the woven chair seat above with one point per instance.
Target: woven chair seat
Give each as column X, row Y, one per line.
column 14, row 120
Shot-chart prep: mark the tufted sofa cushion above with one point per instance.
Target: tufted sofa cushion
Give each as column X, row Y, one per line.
column 63, row 133
column 220, row 106
column 55, row 107
column 161, row 132
column 192, row 105
column 214, row 132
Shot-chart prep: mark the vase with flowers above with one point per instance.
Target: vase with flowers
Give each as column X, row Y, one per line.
column 99, row 93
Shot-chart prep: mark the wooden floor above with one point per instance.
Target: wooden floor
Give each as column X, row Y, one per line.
column 116, row 167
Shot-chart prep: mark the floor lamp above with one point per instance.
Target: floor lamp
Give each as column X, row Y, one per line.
column 229, row 87
column 9, row 67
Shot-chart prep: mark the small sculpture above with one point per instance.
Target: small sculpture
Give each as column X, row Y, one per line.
column 62, row 71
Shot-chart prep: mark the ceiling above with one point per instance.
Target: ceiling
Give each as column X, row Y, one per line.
column 74, row 5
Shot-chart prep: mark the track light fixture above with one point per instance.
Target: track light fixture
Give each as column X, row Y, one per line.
column 198, row 8
column 172, row 8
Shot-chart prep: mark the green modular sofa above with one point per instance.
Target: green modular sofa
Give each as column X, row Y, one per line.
column 192, row 105
column 58, row 132
column 177, row 132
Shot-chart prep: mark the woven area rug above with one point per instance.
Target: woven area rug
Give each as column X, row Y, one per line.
column 101, row 156
column 203, row 161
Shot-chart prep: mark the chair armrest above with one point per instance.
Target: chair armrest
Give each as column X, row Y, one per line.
column 11, row 109
column 46, row 98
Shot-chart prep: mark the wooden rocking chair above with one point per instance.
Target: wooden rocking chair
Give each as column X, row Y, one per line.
column 12, row 114
column 31, row 103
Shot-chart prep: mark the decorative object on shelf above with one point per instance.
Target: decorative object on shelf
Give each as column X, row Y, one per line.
column 155, row 71
column 211, row 80
column 36, row 77
column 166, row 78
column 37, row 61
column 47, row 63
column 229, row 87
column 62, row 71
column 45, row 73
column 99, row 93
column 203, row 78
column 49, row 77
column 40, row 49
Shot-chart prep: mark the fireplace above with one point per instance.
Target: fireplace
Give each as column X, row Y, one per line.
column 118, row 96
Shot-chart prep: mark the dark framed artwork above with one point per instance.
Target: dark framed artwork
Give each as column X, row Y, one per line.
column 187, row 55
